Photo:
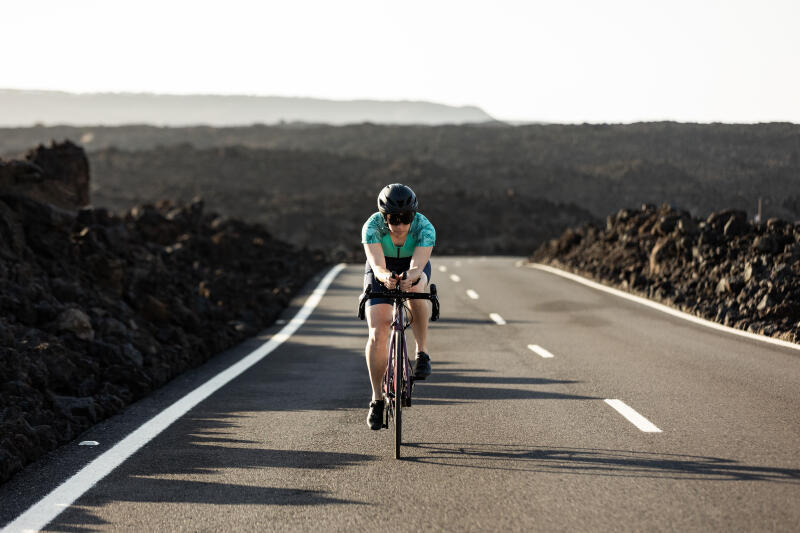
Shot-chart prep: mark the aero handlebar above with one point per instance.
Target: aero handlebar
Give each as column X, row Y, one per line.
column 397, row 294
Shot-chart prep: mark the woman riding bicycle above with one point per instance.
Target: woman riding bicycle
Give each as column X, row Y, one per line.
column 396, row 239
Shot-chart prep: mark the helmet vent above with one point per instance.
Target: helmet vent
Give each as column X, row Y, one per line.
column 395, row 198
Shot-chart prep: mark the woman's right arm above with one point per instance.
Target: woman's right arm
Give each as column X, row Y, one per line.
column 377, row 261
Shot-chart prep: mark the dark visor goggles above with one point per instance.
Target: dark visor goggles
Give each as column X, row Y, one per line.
column 400, row 218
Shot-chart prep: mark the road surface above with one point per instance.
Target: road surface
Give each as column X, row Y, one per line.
column 552, row 407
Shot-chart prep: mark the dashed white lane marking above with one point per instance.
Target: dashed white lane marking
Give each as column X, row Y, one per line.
column 497, row 318
column 45, row 510
column 442, row 268
column 633, row 417
column 455, row 277
column 472, row 294
column 89, row 443
column 541, row 351
column 663, row 308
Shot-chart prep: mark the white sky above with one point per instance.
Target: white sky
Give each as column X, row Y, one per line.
column 553, row 60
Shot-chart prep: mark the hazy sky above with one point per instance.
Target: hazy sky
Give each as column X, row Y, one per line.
column 554, row 60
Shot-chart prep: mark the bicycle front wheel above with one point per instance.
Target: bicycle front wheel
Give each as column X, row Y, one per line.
column 398, row 394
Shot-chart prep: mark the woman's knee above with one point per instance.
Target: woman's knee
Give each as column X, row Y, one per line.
column 421, row 310
column 379, row 322
column 379, row 334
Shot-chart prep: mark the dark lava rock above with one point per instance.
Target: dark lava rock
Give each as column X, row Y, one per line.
column 99, row 309
column 58, row 175
column 736, row 225
column 767, row 244
column 740, row 274
column 76, row 322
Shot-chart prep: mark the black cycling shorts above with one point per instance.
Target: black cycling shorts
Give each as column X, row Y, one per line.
column 395, row 264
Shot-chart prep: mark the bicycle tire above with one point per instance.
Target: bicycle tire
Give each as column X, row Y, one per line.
column 398, row 394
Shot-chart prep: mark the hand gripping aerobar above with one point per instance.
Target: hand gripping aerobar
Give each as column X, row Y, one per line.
column 397, row 294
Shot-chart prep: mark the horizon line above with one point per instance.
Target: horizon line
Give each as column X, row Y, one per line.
column 491, row 118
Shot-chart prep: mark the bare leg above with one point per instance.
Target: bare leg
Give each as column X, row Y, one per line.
column 422, row 312
column 379, row 320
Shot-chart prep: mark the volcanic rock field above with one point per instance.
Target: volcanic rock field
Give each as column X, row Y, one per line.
column 722, row 268
column 97, row 309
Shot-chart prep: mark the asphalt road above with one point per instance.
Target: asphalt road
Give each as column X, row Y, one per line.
column 499, row 438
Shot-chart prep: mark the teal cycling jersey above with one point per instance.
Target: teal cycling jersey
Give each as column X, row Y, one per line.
column 421, row 233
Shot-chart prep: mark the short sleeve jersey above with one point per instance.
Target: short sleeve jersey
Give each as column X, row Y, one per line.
column 421, row 233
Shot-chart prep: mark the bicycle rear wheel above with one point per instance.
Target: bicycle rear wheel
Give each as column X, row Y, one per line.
column 398, row 393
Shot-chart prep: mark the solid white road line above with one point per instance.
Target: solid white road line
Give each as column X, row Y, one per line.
column 472, row 294
column 633, row 417
column 539, row 350
column 497, row 318
column 665, row 309
column 442, row 268
column 49, row 507
column 455, row 277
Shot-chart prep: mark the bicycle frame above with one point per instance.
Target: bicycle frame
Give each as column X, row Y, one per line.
column 398, row 347
column 396, row 396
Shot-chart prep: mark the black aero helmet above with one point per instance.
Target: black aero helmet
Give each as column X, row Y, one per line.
column 397, row 198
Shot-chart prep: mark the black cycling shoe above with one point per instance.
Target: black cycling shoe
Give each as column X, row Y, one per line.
column 422, row 366
column 375, row 416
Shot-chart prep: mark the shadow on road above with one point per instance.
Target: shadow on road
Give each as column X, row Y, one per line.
column 449, row 323
column 460, row 385
column 567, row 306
column 454, row 394
column 335, row 323
column 196, row 459
column 462, row 375
column 594, row 462
column 162, row 478
column 81, row 518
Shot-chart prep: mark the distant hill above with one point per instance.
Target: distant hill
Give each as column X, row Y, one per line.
column 26, row 108
column 599, row 167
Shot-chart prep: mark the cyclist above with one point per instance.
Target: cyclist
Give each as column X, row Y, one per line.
column 396, row 239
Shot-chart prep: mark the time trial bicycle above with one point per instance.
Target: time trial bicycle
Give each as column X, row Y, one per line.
column 398, row 381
